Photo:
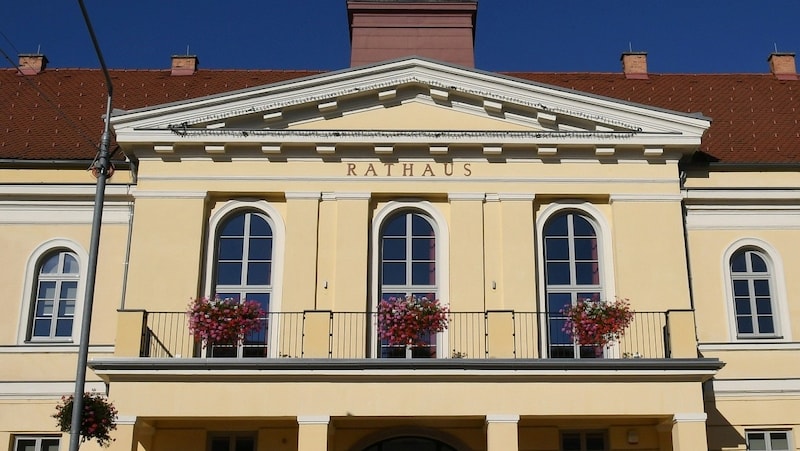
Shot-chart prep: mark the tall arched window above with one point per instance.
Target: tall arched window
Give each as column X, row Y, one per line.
column 408, row 267
column 243, row 271
column 572, row 273
column 53, row 313
column 752, row 282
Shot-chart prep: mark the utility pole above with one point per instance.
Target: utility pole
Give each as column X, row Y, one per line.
column 101, row 167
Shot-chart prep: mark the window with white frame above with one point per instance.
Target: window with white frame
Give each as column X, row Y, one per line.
column 778, row 440
column 572, row 273
column 33, row 443
column 408, row 266
column 243, row 268
column 53, row 313
column 752, row 284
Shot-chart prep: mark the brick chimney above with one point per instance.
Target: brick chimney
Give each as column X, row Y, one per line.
column 184, row 64
column 32, row 63
column 634, row 65
column 782, row 66
column 438, row 29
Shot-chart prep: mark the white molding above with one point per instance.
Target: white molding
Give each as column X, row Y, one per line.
column 312, row 195
column 48, row 212
column 442, row 257
column 44, row 389
column 339, row 195
column 87, row 190
column 742, row 194
column 751, row 345
column 497, row 418
column 465, row 196
column 742, row 218
column 53, row 348
column 313, row 419
column 170, row 194
column 693, row 417
column 780, row 297
column 128, row 420
column 30, row 285
column 756, row 387
column 506, row 197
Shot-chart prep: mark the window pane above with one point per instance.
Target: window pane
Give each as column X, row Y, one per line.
column 586, row 248
column 738, row 263
column 763, row 306
column 779, row 441
column 423, row 249
column 260, row 249
column 423, row 273
column 571, row 442
column 259, row 226
column 63, row 327
column 233, row 226
column 44, row 308
column 69, row 290
column 47, row 290
column 70, row 265
column 557, row 273
column 50, row 266
column 558, row 301
column 761, row 287
column 756, row 442
column 765, row 325
column 258, row 273
column 219, row 443
column 41, row 328
column 586, row 273
column 744, row 324
column 50, row 444
column 741, row 288
column 229, row 273
column 556, row 226
column 759, row 265
column 420, row 226
column 595, row 442
column 66, row 308
column 231, row 248
column 394, row 249
column 394, row 273
column 743, row 306
column 395, row 226
column 26, row 444
column 245, row 444
column 582, row 227
column 556, row 248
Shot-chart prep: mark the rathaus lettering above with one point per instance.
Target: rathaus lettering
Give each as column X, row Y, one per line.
column 409, row 169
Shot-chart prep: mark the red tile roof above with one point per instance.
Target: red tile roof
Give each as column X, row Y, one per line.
column 755, row 116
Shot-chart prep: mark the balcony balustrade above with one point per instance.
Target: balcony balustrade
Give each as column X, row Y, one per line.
column 352, row 335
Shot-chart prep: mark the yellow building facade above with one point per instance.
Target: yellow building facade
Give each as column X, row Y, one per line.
column 319, row 197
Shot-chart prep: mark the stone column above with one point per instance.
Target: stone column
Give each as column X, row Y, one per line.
column 501, row 433
column 689, row 432
column 312, row 433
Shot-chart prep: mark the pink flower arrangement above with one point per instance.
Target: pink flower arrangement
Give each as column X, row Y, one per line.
column 597, row 323
column 98, row 419
column 409, row 320
column 223, row 320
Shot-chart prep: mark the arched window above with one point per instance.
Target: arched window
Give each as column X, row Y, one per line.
column 53, row 313
column 572, row 273
column 753, row 289
column 243, row 271
column 408, row 266
column 410, row 443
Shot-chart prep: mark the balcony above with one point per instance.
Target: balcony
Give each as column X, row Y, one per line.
column 351, row 335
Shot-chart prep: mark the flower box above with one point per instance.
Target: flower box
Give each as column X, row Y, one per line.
column 597, row 323
column 410, row 320
column 223, row 321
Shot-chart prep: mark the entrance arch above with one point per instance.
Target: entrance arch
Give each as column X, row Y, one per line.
column 409, row 443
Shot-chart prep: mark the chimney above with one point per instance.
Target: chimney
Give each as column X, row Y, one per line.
column 634, row 65
column 184, row 64
column 782, row 66
column 387, row 29
column 32, row 63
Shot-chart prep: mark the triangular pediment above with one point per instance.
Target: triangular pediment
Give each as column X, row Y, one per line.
column 410, row 101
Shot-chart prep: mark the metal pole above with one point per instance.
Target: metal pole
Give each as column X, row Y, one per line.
column 102, row 165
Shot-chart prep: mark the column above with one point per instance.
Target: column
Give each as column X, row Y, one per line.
column 299, row 285
column 689, row 432
column 501, row 433
column 312, row 432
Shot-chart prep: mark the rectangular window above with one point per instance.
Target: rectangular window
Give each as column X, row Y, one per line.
column 583, row 441
column 232, row 442
column 768, row 440
column 36, row 443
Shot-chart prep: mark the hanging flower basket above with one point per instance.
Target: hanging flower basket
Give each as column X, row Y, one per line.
column 224, row 321
column 98, row 419
column 410, row 320
column 597, row 323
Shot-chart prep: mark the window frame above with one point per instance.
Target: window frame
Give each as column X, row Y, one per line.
column 583, row 435
column 777, row 291
column 261, row 207
column 605, row 261
column 37, row 441
column 441, row 234
column 767, row 434
column 31, row 287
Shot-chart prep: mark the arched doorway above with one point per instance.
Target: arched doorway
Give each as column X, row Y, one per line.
column 409, row 443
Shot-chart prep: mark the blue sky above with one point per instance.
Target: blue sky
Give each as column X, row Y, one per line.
column 680, row 36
